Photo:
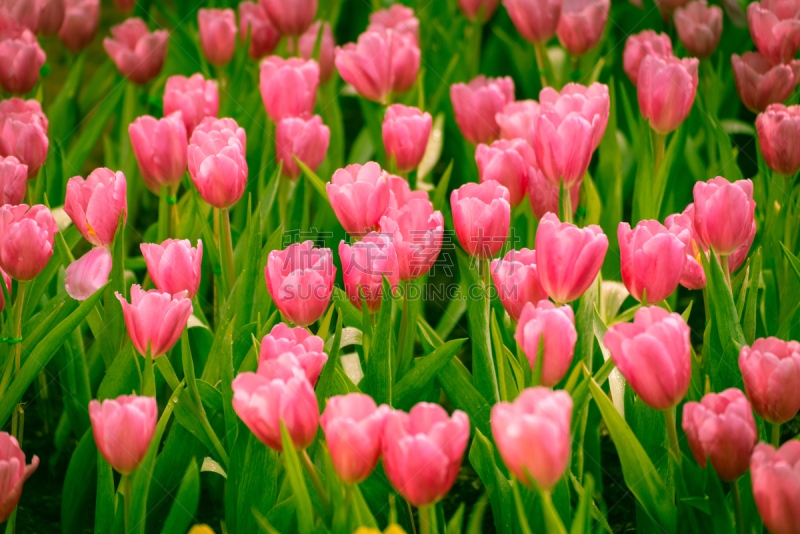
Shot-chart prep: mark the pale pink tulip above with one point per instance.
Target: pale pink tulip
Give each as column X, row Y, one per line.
column 555, row 326
column 775, row 28
column 535, row 20
column 160, row 148
column 516, row 279
column 507, row 163
column 23, row 133
column 291, row 18
column 174, row 265
column 155, row 319
column 405, row 135
column 89, row 273
column 288, row 86
column 138, row 53
column 581, row 24
column 724, row 214
column 476, row 105
column 304, row 138
column 592, row 103
column 416, row 231
column 26, row 240
column 481, row 216
column 195, row 97
column 13, row 180
column 291, row 345
column 217, row 34
column 399, row 18
column 21, row 57
column 643, row 44
column 364, row 264
column 400, row 192
column 14, row 473
column 699, row 27
column 776, row 486
column 123, row 429
column 666, row 91
column 254, row 22
column 651, row 260
column 359, row 195
column 516, row 120
column 217, row 163
column 771, row 373
column 779, row 136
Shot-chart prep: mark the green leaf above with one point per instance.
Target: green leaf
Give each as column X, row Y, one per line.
column 433, row 150
column 294, row 472
column 440, row 193
column 482, row 458
column 80, row 150
column 104, row 501
column 582, row 522
column 751, row 302
column 456, row 523
column 475, row 524
column 718, row 505
column 499, row 351
column 326, row 384
column 315, row 180
column 79, row 485
column 184, row 507
column 410, row 388
column 252, row 481
column 379, row 365
column 676, row 147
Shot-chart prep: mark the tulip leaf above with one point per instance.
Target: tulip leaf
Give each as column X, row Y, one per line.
column 718, row 506
column 252, row 482
column 379, row 362
column 294, row 473
column 213, row 369
column 79, row 485
column 326, row 382
column 250, row 270
column 184, row 507
column 440, row 193
column 751, row 302
column 584, row 492
column 104, row 500
column 410, row 388
column 315, row 180
column 433, row 149
column 667, row 166
column 482, row 458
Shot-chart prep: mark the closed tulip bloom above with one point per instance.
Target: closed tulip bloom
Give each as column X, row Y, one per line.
column 771, row 373
column 654, row 355
column 195, row 97
column 155, row 319
column 359, row 195
column 591, row 102
column 26, row 240
column 81, row 18
column 581, row 24
column 721, row 428
column 723, row 213
column 24, row 13
column 516, row 279
column 353, row 427
column 667, row 7
column 471, row 8
column 291, row 18
column 533, row 435
column 305, row 352
column 160, row 148
column 543, row 195
column 643, row 44
column 217, row 34
column 481, row 216
column 174, row 265
column 556, row 325
column 568, row 257
column 699, row 27
column 516, row 120
column 364, row 264
column 776, row 485
column 476, row 105
column 123, row 429
column 13, row 180
column 535, row 20
column 253, row 21
column 507, row 163
column 21, row 57
column 89, row 273
column 398, row 18
column 416, row 231
column 779, row 136
column 14, row 473
column 422, row 451
column 51, row 16
column 400, row 192
column 217, row 162
column 95, row 204
column 138, row 53
column 288, row 86
column 23, row 133
column 304, row 138
column 666, row 91
column 775, row 28
column 307, row 44
column 760, row 83
column 651, row 260
column 682, row 225
column 405, row 135
column 300, row 280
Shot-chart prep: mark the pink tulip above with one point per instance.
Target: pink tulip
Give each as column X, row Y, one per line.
column 21, row 57
column 682, row 225
column 399, row 18
column 24, row 13
column 666, row 91
column 533, row 435
column 51, row 16
column 13, row 180
column 557, row 326
column 507, row 163
column 123, row 429
column 253, row 21
column 776, row 486
column 81, row 18
column 721, row 428
column 295, row 345
column 364, row 264
column 779, row 136
column 581, row 24
column 723, row 213
column 481, row 216
column 353, row 427
column 641, row 45
column 568, row 257
column 516, row 120
column 217, row 162
column 291, row 18
column 14, row 473
column 771, row 373
column 288, row 86
column 405, row 135
column 174, row 265
column 476, row 104
column 699, row 27
column 760, row 83
column 155, row 319
column 667, row 7
column 217, row 34
column 7, row 281
column 195, row 97
column 416, row 231
column 160, row 149
column 300, row 280
column 23, row 133
column 775, row 28
column 138, row 53
column 305, row 138
column 543, row 195
column 307, row 43
column 422, row 451
column 95, row 204
column 471, row 8
column 26, row 240
column 381, row 63
column 400, row 192
column 86, row 275
column 535, row 20
column 651, row 260
column 654, row 355
column 359, row 195
column 516, row 279
column 592, row 103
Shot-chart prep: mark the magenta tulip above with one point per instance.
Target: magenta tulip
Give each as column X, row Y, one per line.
column 21, row 57
column 771, row 373
column 475, row 106
column 779, row 136
column 89, row 273
column 471, row 8
column 399, row 18
column 359, row 195
column 405, row 135
column 651, row 260
column 581, row 24
column 95, row 204
column 400, row 192
column 304, row 351
column 641, row 45
column 291, row 18
column 23, row 133
column 666, row 91
column 543, row 195
column 13, row 180
column 155, row 319
column 364, row 264
column 307, row 44
column 288, row 86
column 516, row 120
column 507, row 163
column 760, row 83
column 217, row 34
column 535, row 20
column 775, row 28
column 417, row 232
column 195, row 97
column 254, row 22
column 123, row 429
column 481, row 216
column 138, row 53
column 174, row 265
column 81, row 18
column 556, row 326
column 776, row 486
column 217, row 162
column 699, row 27
column 516, row 279
column 723, row 213
column 160, row 148
column 14, row 473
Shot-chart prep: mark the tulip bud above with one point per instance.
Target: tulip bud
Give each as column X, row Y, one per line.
column 23, row 133
column 217, row 34
column 507, row 163
column 155, row 319
column 95, row 204
column 592, row 103
column 416, row 231
column 422, row 451
column 760, row 83
column 51, row 16
column 543, row 195
column 195, row 97
column 123, row 429
column 26, row 240
column 399, row 18
column 699, row 27
column 400, row 192
column 217, row 162
column 651, row 260
column 364, row 264
column 174, row 265
column 13, row 180
column 516, row 120
column 359, row 195
column 19, row 14
column 724, row 213
column 288, row 86
column 253, row 21
column 666, row 91
column 304, row 138
column 776, row 484
column 295, row 347
column 86, row 275
column 481, row 216
column 471, row 8
column 581, row 24
column 14, row 473
column 160, row 149
column 81, row 18
column 291, row 18
column 557, row 326
column 307, row 44
column 516, row 279
column 535, row 20
column 21, row 57
column 771, row 373
column 138, row 53
column 643, row 44
column 775, row 28
column 476, row 104
column 779, row 136
column 405, row 135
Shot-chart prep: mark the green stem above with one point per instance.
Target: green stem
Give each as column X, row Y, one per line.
column 125, row 484
column 400, row 356
column 776, row 435
column 17, row 420
column 214, row 440
column 427, row 519
column 672, row 433
column 311, row 471
column 172, row 227
column 226, row 248
column 726, row 270
column 523, row 519
column 659, row 147
column 350, row 499
column 737, row 507
column 163, row 214
column 541, row 53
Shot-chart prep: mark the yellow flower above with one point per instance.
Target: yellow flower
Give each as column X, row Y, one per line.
column 201, row 529
column 391, row 529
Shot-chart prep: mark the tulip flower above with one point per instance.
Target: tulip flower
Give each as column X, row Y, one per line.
column 651, row 260
column 400, row 192
column 654, row 355
column 160, row 149
column 568, row 257
column 291, row 18
column 217, row 162
column 699, row 27
column 666, row 91
column 23, row 133
column 306, row 351
column 288, row 86
column 507, row 163
column 581, row 24
column 535, row 20
column 307, row 44
column 592, row 103
column 26, row 240
column 556, row 325
column 304, row 138
column 123, row 429
column 364, row 264
column 300, row 281
column 416, row 231
column 543, row 195
column 7, row 281
column 405, row 135
column 682, row 225
column 775, row 28
column 399, row 18
column 27, row 13
column 721, row 428
column 51, row 16
column 516, row 120
column 778, row 136
column 13, row 180
column 723, row 213
column 81, row 18
column 155, row 319
column 95, row 204
column 174, row 265
column 138, row 53
column 359, row 195
column 771, row 373
column 760, row 83
column 86, row 275
column 254, row 22
column 14, row 473
column 776, row 484
column 217, row 34
column 641, row 45
column 533, row 435
column 422, row 451
column 195, row 97
column 476, row 104
column 516, row 279
column 471, row 8
column 21, row 57
column 481, row 216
